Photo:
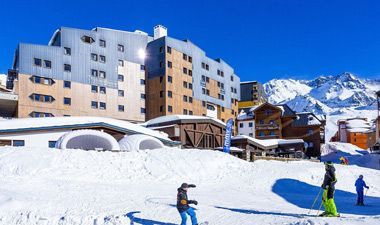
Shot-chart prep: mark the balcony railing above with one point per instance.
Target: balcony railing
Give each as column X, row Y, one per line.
column 267, row 126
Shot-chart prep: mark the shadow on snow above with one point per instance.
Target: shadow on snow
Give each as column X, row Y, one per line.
column 136, row 220
column 250, row 211
column 303, row 194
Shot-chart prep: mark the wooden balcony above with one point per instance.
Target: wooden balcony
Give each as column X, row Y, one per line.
column 267, row 127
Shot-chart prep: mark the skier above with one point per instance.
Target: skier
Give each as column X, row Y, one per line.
column 329, row 189
column 183, row 204
column 360, row 185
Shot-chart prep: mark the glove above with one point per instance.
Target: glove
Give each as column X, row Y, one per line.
column 367, row 187
column 191, row 185
column 195, row 202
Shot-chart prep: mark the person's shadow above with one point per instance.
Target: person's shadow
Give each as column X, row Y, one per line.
column 303, row 194
column 136, row 220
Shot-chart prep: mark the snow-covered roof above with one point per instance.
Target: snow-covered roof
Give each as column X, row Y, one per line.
column 268, row 143
column 306, row 119
column 26, row 124
column 360, row 125
column 173, row 118
column 232, row 149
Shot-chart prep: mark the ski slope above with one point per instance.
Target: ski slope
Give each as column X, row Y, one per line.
column 67, row 187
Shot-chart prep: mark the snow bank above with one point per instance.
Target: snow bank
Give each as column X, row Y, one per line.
column 67, row 187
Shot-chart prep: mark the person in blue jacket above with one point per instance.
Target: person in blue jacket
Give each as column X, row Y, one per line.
column 360, row 185
column 183, row 204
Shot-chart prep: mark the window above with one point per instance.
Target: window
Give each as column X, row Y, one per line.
column 161, row 108
column 102, row 90
column 207, row 67
column 207, row 79
column 161, row 49
column 87, row 39
column 120, row 48
column 94, row 73
column 67, row 51
column 102, row 58
column 37, row 62
column 142, row 110
column 170, row 64
column 190, row 73
column 222, row 86
column 185, row 84
column 190, row 112
column 222, row 73
column 102, row 43
column 191, row 99
column 204, row 65
column 142, row 81
column 170, row 108
column 67, row 67
column 120, row 108
column 271, row 133
column 261, row 133
column 268, row 112
column 52, row 144
column 204, row 91
column 41, row 98
column 218, row 84
column 47, row 64
column 190, row 59
column 40, row 114
column 67, row 101
column 161, row 64
column 232, row 89
column 143, row 96
column 218, row 72
column 120, row 93
column 232, row 100
column 203, row 103
column 170, row 94
column 250, row 124
column 102, row 74
column 241, row 125
column 94, row 57
column 310, row 132
column 184, row 56
column 161, row 79
column 102, row 105
column 161, row 94
column 94, row 104
column 185, row 112
column 67, row 84
column 261, row 122
column 121, row 63
column 203, row 78
column 42, row 80
column 190, row 86
column 18, row 143
column 222, row 109
column 170, row 79
column 232, row 78
column 311, row 144
column 94, row 89
column 142, row 67
column 207, row 92
column 120, row 78
column 251, row 134
column 169, row 50
column 185, row 98
column 184, row 70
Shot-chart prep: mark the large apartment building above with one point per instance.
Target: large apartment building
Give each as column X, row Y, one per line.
column 182, row 79
column 102, row 72
column 252, row 94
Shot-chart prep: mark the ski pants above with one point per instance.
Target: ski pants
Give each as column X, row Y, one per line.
column 328, row 201
column 360, row 197
column 192, row 215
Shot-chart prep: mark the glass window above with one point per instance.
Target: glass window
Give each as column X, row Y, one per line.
column 94, row 57
column 310, row 132
column 190, row 59
column 161, row 49
column 47, row 64
column 170, row 94
column 184, row 70
column 191, row 99
column 120, row 48
column 185, row 84
column 185, row 98
column 190, row 86
column 67, row 51
column 94, row 88
column 102, row 90
column 143, row 96
column 52, row 144
column 67, row 101
column 67, row 67
column 170, row 79
column 37, row 80
column 161, row 108
column 120, row 78
column 94, row 73
column 250, row 124
column 121, row 93
column 37, row 62
column 102, row 105
column 251, row 134
column 67, row 84
column 170, row 108
column 18, row 143
column 190, row 112
column 261, row 133
column 169, row 50
column 142, row 67
column 121, row 63
column 102, row 58
column 142, row 81
column 170, row 65
column 143, row 110
column 241, row 125
column 190, row 73
column 121, row 108
column 94, row 104
column 102, row 74
column 184, row 56
column 232, row 78
column 102, row 43
column 87, row 39
column 185, row 112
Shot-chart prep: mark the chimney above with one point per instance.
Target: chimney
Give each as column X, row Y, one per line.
column 160, row 31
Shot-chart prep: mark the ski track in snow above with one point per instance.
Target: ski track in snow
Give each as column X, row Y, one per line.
column 74, row 187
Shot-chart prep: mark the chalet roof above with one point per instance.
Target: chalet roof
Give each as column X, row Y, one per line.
column 286, row 110
column 267, row 143
column 172, row 119
column 306, row 119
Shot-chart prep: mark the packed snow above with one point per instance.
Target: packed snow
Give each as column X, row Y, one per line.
column 67, row 187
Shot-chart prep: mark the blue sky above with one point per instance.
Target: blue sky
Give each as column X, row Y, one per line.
column 262, row 40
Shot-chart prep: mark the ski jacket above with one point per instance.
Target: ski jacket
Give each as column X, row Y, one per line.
column 182, row 201
column 330, row 178
column 360, row 184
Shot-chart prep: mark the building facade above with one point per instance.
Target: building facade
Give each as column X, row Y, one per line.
column 181, row 79
column 357, row 131
column 251, row 94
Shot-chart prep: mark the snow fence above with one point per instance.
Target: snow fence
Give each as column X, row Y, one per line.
column 139, row 142
column 87, row 140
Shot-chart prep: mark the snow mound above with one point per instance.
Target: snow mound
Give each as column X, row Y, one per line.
column 87, row 140
column 139, row 142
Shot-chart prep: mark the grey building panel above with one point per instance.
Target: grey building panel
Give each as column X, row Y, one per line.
column 154, row 57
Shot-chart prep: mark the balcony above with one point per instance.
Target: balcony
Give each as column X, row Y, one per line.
column 267, row 127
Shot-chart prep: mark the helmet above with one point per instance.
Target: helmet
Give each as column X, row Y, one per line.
column 361, row 176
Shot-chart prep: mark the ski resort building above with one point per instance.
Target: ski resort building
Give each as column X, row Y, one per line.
column 268, row 121
column 251, row 94
column 182, row 79
column 357, row 131
column 191, row 131
column 123, row 75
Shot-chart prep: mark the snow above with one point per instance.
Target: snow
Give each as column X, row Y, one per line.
column 358, row 125
column 139, row 142
column 171, row 118
column 268, row 142
column 67, row 187
column 27, row 123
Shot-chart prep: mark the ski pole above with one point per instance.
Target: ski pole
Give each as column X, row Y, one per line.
column 320, row 206
column 315, row 200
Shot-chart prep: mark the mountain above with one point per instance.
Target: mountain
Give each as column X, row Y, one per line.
column 337, row 96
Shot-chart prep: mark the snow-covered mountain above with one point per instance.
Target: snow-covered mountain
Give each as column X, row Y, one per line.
column 339, row 96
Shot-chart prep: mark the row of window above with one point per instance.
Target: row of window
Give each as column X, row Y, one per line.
column 42, row 63
column 187, row 71
column 205, row 66
column 42, row 80
column 96, row 57
column 250, row 124
column 41, row 98
column 98, row 73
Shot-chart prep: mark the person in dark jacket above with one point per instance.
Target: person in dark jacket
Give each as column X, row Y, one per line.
column 360, row 185
column 329, row 189
column 183, row 204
